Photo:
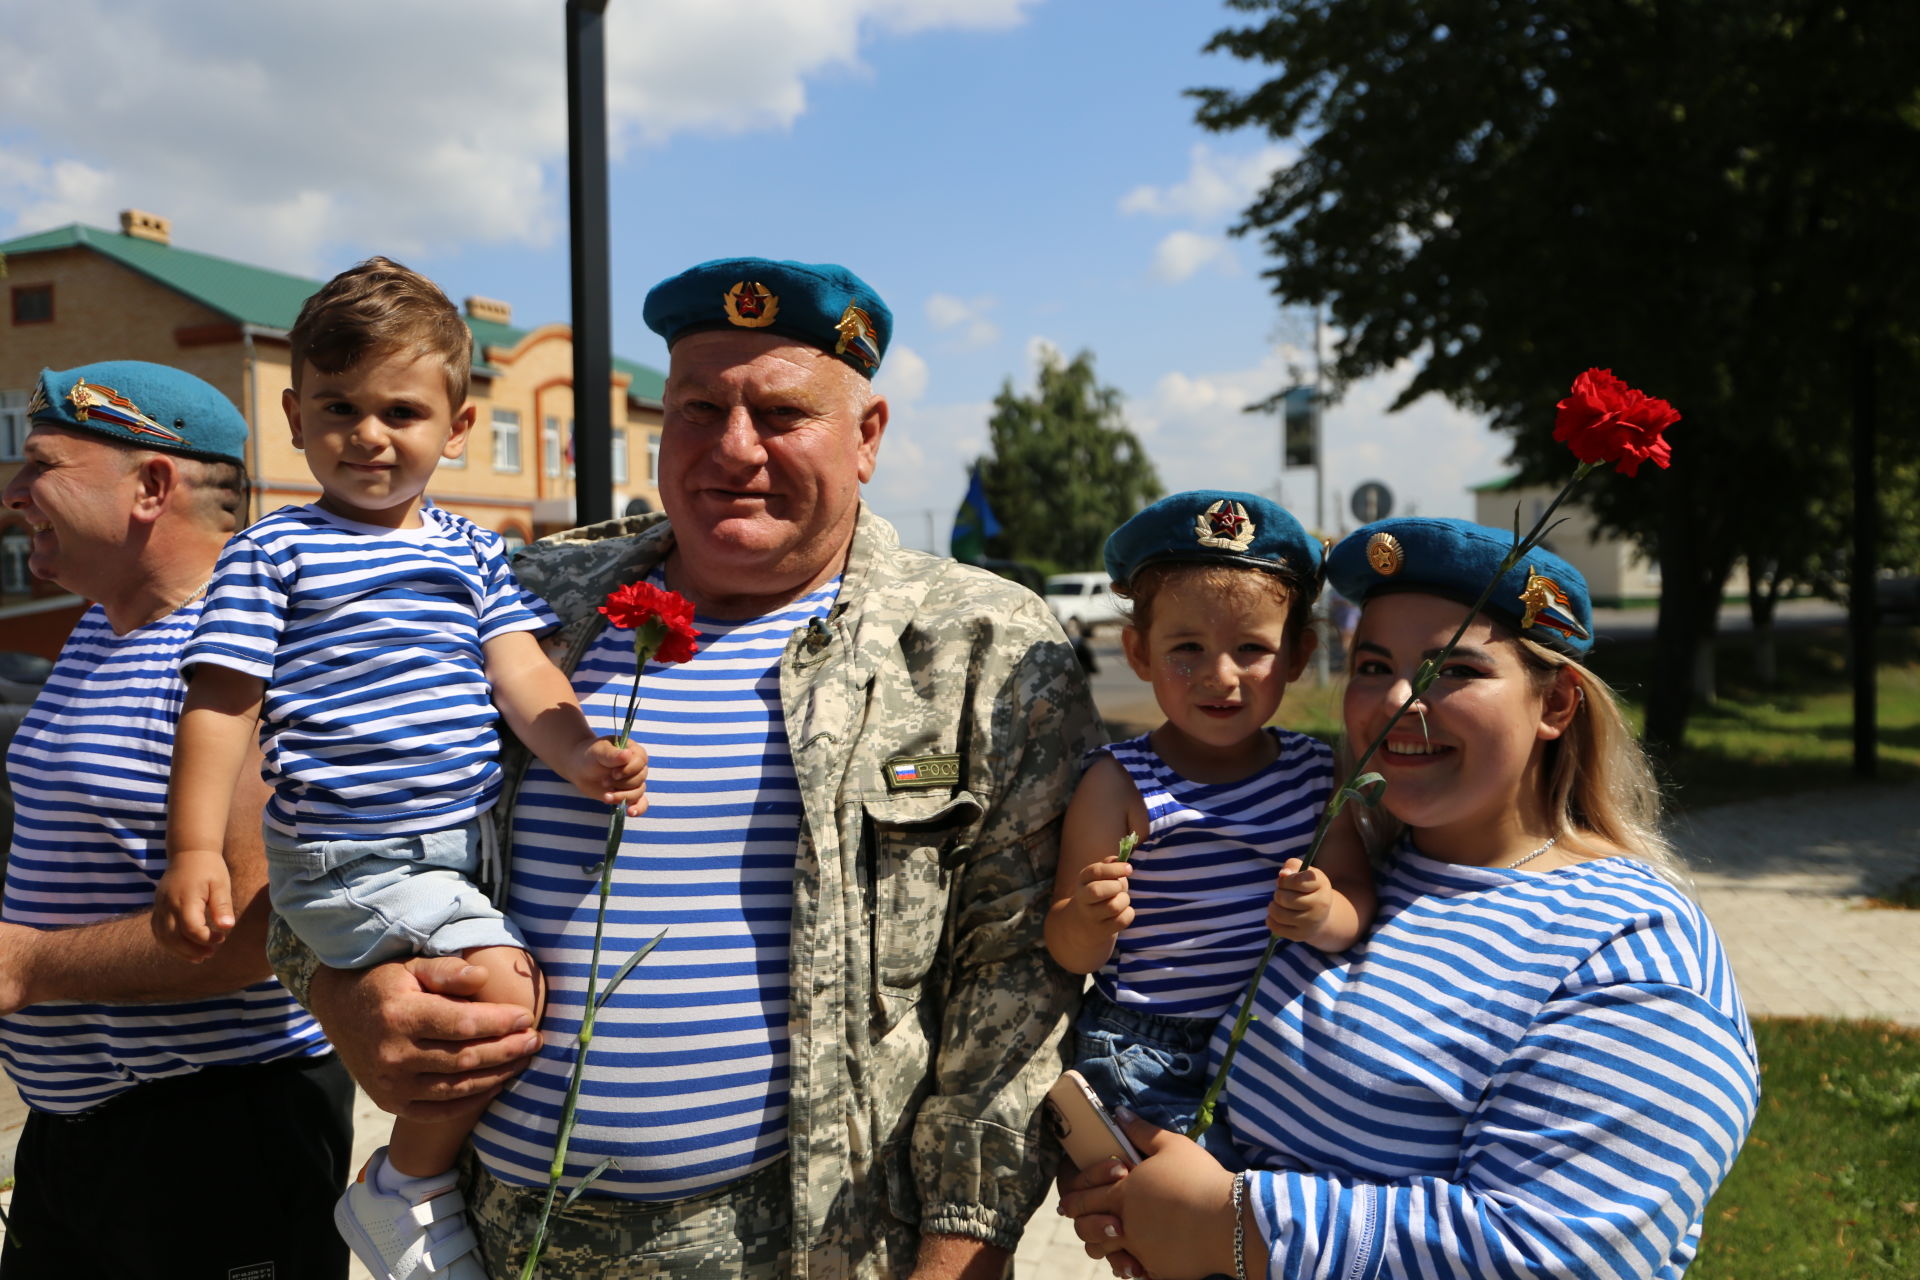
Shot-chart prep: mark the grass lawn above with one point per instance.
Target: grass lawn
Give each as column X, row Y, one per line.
column 1828, row 1185
column 1794, row 736
column 1755, row 740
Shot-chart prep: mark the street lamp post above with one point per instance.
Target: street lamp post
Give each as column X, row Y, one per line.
column 592, row 292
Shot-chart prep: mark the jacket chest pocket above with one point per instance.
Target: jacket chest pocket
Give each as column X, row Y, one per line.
column 915, row 843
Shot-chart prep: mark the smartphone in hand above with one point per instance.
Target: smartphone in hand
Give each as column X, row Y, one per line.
column 1086, row 1130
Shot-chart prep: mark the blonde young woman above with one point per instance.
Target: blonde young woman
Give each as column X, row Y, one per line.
column 1537, row 1063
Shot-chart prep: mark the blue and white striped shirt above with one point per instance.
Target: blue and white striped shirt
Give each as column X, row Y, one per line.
column 1515, row 1074
column 89, row 772
column 377, row 718
column 686, row 1084
column 1203, row 876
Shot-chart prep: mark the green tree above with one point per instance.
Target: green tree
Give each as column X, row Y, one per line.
column 1712, row 198
column 1065, row 470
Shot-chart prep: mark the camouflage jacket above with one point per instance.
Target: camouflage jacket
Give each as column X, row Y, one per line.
column 936, row 721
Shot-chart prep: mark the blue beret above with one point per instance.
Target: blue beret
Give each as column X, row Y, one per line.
column 1216, row 526
column 1542, row 597
column 819, row 304
column 147, row 405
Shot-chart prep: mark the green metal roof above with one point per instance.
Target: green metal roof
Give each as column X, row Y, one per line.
column 250, row 295
column 647, row 384
column 258, row 296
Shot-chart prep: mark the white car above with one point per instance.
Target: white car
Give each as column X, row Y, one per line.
column 1083, row 602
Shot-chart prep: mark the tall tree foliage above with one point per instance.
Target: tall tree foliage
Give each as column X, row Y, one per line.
column 1065, row 469
column 1712, row 198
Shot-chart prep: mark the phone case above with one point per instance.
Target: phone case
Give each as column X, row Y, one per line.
column 1087, row 1132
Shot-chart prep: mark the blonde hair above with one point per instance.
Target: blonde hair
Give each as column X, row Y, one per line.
column 1600, row 784
column 1602, row 793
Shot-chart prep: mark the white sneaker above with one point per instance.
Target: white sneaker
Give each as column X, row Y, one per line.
column 389, row 1232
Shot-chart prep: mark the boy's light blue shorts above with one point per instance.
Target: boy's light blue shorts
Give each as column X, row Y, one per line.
column 364, row 902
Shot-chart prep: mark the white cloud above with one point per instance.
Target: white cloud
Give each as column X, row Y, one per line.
column 965, row 319
column 1195, row 428
column 1215, row 187
column 903, row 378
column 283, row 133
column 1182, row 253
column 922, row 473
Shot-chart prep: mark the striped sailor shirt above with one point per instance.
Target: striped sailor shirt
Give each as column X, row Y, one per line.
column 89, row 769
column 1203, row 876
column 686, row 1084
column 377, row 718
column 1515, row 1074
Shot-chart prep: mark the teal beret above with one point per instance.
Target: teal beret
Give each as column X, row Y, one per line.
column 819, row 304
column 1216, row 526
column 151, row 406
column 1542, row 597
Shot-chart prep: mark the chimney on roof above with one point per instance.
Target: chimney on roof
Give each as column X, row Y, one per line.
column 491, row 309
column 146, row 226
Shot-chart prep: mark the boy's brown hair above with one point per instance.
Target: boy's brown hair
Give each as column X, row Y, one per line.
column 379, row 308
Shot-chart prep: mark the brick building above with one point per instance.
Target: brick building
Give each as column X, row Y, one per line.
column 76, row 294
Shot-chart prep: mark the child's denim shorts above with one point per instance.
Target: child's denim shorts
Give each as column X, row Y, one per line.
column 363, row 902
column 1151, row 1063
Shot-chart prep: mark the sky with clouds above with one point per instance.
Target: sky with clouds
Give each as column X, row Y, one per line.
column 1011, row 175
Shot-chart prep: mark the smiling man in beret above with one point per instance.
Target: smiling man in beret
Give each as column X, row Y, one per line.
column 833, row 1064
column 185, row 1119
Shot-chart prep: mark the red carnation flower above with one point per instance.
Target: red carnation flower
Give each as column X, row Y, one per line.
column 640, row 603
column 1605, row 420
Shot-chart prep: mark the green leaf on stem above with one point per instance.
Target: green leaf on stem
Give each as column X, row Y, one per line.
column 586, row 1182
column 616, row 831
column 620, row 974
column 1368, row 788
column 1126, row 847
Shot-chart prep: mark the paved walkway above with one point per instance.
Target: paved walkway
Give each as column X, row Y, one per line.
column 1786, row 882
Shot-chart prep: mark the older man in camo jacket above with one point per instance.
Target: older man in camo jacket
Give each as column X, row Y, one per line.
column 833, row 1064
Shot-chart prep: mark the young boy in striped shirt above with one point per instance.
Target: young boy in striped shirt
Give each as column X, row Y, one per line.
column 1223, row 805
column 369, row 639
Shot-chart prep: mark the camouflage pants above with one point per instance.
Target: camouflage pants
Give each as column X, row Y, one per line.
column 741, row 1232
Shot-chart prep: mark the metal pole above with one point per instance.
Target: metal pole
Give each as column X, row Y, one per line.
column 1319, row 441
column 592, row 292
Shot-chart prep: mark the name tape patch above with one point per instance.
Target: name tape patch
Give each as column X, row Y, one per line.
column 908, row 773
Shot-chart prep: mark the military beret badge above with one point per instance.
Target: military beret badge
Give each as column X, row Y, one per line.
column 751, row 305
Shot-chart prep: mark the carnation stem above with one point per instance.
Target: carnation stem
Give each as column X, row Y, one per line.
column 646, row 642
column 1352, row 786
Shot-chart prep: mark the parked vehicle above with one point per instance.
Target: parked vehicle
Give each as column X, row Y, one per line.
column 1084, row 602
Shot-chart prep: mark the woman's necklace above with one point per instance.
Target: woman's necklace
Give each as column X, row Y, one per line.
column 1523, row 861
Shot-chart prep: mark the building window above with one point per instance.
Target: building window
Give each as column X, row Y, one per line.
column 15, row 545
column 13, row 425
column 619, row 455
column 506, row 440
column 653, row 458
column 556, row 446
column 32, row 303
